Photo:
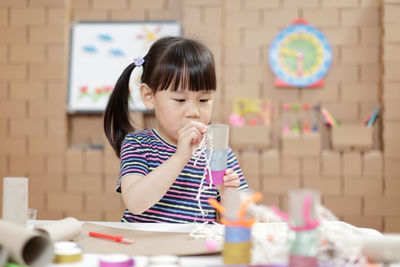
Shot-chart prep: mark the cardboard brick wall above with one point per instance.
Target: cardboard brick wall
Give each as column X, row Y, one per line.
column 36, row 134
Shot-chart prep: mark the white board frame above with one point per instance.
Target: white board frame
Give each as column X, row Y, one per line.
column 100, row 51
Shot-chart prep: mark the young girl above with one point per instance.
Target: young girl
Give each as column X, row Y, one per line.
column 159, row 179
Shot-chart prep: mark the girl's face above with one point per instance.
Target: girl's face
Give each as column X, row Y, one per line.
column 174, row 109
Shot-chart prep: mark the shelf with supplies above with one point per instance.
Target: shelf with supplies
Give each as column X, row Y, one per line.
column 352, row 136
column 250, row 123
column 347, row 137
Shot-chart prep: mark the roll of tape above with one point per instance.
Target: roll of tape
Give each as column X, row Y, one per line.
column 67, row 252
column 237, row 253
column 237, row 234
column 116, row 260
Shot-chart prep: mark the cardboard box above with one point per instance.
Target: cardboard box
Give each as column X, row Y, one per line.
column 270, row 199
column 250, row 164
column 344, row 112
column 391, row 90
column 47, row 146
column 55, row 165
column 351, row 136
column 331, row 164
column 86, row 215
column 84, row 183
column 324, row 185
column 4, row 127
column 54, row 182
column 381, row 206
column 27, row 53
column 392, row 130
column 46, row 183
column 291, row 166
column 270, row 163
column 250, row 137
column 37, row 90
column 111, row 165
column 392, row 187
column 12, row 109
column 57, row 127
column 27, row 127
column 391, row 149
column 392, row 224
column 50, row 215
column 110, row 184
column 392, row 168
column 94, row 161
column 17, row 165
column 351, row 164
column 343, row 205
column 75, row 161
column 103, row 202
column 373, row 164
column 310, row 166
column 13, row 146
column 392, row 109
column 36, row 200
column 280, row 185
column 3, row 166
column 363, row 186
column 13, row 34
column 60, row 201
column 306, row 144
column 113, row 216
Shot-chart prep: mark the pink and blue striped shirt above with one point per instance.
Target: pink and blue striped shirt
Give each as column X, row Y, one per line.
column 143, row 151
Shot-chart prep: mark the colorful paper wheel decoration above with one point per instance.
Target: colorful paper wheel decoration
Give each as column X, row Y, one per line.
column 300, row 56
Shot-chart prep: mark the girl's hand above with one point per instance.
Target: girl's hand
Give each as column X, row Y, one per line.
column 189, row 138
column 231, row 180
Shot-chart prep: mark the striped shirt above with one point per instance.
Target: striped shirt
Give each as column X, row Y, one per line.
column 143, row 151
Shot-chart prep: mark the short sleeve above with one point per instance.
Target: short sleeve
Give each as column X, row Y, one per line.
column 234, row 164
column 133, row 159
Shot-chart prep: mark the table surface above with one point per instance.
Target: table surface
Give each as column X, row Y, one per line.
column 92, row 260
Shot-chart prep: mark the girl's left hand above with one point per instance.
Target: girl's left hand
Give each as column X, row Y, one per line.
column 231, row 179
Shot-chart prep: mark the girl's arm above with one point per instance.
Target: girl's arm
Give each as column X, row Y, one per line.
column 141, row 193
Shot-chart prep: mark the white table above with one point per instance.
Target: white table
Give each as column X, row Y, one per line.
column 92, row 260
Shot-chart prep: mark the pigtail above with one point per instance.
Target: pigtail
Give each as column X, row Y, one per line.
column 116, row 117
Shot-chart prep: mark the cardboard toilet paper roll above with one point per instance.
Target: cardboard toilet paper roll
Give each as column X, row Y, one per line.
column 25, row 246
column 15, row 199
column 3, row 255
column 219, row 134
column 62, row 230
column 217, row 152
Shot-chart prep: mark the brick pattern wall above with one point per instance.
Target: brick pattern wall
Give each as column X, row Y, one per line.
column 391, row 118
column 36, row 133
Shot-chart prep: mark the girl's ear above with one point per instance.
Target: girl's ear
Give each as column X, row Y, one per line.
column 147, row 96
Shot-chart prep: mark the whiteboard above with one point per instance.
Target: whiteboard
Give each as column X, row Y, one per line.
column 100, row 51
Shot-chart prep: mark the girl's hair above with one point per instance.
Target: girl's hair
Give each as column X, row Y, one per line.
column 172, row 62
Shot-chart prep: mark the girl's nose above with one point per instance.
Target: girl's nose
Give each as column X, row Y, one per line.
column 192, row 111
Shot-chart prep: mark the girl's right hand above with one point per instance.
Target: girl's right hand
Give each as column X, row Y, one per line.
column 189, row 138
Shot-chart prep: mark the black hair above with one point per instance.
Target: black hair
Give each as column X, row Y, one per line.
column 172, row 62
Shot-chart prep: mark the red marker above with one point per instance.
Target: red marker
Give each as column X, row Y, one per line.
column 115, row 238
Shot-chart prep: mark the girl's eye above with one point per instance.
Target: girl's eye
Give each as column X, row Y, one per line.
column 180, row 100
column 204, row 100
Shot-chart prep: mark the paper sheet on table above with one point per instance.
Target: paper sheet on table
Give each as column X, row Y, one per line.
column 146, row 242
